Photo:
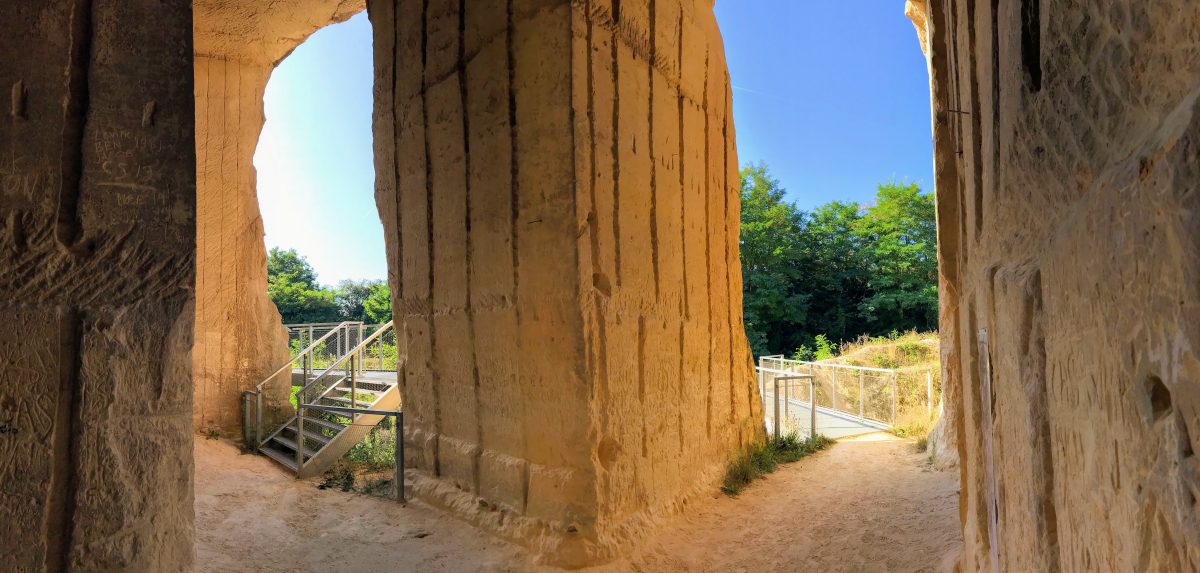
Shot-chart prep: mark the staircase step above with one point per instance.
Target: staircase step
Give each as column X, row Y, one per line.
column 290, row 443
column 360, row 390
column 311, row 420
column 288, row 461
column 309, row 433
column 345, row 401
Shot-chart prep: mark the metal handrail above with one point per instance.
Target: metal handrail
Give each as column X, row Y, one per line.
column 353, row 352
column 292, row 360
column 830, row 365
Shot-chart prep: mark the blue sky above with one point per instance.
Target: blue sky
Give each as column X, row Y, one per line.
column 832, row 95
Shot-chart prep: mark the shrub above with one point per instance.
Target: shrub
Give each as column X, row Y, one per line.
column 763, row 458
column 825, row 349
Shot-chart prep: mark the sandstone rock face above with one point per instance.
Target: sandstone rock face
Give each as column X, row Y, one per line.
column 558, row 186
column 239, row 335
column 1067, row 141
column 97, row 223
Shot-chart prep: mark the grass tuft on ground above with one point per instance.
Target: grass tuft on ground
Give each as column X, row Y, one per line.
column 763, row 458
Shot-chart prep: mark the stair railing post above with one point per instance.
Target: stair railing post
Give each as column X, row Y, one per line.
column 353, row 383
column 398, row 428
column 361, row 328
column 299, row 431
column 258, row 419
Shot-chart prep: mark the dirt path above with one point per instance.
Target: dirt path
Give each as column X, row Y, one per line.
column 867, row 504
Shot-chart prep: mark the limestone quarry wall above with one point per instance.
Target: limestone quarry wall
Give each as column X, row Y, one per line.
column 558, row 186
column 97, row 205
column 239, row 338
column 1067, row 142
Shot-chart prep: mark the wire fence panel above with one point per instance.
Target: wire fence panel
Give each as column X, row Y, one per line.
column 873, row 394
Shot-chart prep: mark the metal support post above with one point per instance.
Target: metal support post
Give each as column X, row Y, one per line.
column 861, row 397
column 359, row 364
column 833, row 399
column 353, row 383
column 776, row 398
column 398, row 428
column 787, row 398
column 257, row 420
column 812, row 408
column 299, row 432
column 893, row 398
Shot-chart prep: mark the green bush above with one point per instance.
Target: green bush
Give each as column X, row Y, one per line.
column 763, row 458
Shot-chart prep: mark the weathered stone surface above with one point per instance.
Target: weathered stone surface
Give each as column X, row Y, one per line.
column 1067, row 142
column 97, row 204
column 557, row 182
column 561, row 208
column 239, row 336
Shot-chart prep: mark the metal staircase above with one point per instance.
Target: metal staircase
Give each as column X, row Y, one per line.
column 327, row 421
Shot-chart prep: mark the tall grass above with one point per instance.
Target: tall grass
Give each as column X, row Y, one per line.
column 765, row 457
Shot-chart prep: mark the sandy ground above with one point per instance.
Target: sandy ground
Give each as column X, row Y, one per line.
column 867, row 504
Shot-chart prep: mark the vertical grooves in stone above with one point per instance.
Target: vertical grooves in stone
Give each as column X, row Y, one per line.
column 687, row 312
column 601, row 335
column 68, row 227
column 687, row 308
column 680, row 397
column 429, row 310
column 641, row 360
column 466, row 133
column 203, row 238
column 728, row 264
column 616, row 139
column 979, row 191
column 60, row 507
column 708, row 247
column 512, row 126
column 653, row 158
column 398, row 322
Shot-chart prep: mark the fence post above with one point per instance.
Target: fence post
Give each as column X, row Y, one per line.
column 776, row 398
column 787, row 397
column 812, row 409
column 258, row 419
column 833, row 399
column 861, row 397
column 929, row 393
column 398, row 428
column 893, row 398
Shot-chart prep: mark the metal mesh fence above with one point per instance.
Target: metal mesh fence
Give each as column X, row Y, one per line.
column 871, row 394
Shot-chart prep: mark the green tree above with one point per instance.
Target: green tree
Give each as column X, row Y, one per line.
column 900, row 238
column 770, row 253
column 811, row 280
column 350, row 295
column 377, row 307
column 292, row 286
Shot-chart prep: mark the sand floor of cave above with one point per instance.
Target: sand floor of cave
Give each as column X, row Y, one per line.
column 867, row 504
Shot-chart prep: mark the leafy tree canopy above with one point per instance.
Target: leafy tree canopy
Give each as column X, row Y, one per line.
column 292, row 285
column 837, row 272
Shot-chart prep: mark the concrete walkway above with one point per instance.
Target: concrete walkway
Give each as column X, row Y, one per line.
column 831, row 423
